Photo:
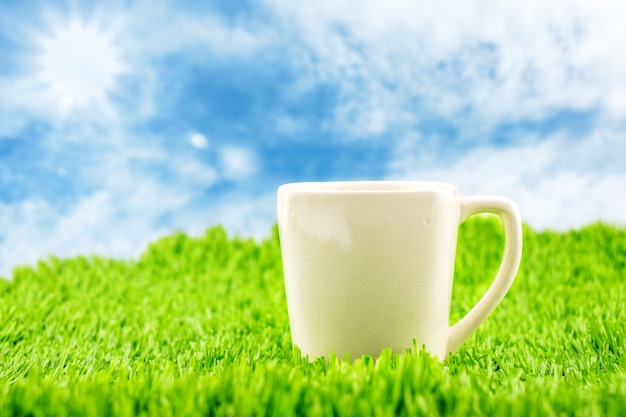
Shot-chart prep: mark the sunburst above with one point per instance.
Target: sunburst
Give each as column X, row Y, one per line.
column 79, row 65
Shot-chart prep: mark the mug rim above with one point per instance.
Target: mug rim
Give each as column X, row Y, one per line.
column 368, row 187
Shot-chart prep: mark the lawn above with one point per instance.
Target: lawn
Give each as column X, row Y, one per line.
column 199, row 326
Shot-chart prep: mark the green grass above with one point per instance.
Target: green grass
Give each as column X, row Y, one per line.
column 199, row 326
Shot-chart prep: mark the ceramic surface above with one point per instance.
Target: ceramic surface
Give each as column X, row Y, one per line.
column 369, row 265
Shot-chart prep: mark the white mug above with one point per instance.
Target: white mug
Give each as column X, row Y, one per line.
column 369, row 265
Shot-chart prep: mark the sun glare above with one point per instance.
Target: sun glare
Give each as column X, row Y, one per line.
column 79, row 64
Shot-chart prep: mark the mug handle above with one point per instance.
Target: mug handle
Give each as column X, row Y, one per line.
column 509, row 213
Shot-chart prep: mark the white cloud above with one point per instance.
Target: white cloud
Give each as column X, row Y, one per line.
column 201, row 36
column 240, row 213
column 120, row 224
column 237, row 162
column 129, row 191
column 290, row 126
column 96, row 224
column 559, row 183
column 399, row 66
column 199, row 141
column 475, row 63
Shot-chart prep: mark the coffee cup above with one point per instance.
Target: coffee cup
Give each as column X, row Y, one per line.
column 369, row 265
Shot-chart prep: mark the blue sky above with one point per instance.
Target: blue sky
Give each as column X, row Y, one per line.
column 125, row 121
